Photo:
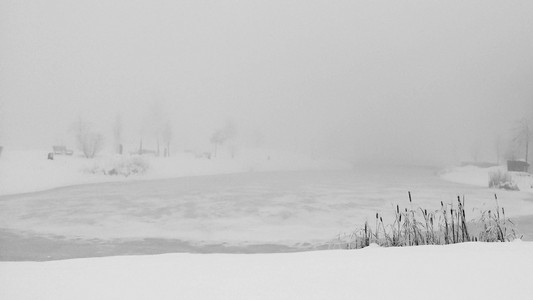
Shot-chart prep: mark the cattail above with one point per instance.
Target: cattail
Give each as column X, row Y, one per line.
column 495, row 196
column 450, row 229
column 410, row 200
column 453, row 226
column 441, row 204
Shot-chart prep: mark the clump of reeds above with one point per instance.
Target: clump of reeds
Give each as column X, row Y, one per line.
column 502, row 180
column 446, row 225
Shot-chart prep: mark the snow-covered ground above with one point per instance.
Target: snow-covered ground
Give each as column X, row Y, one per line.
column 462, row 271
column 477, row 176
column 30, row 171
column 279, row 208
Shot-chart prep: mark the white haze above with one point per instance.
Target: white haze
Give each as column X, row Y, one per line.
column 411, row 81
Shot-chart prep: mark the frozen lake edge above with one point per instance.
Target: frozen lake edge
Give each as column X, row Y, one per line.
column 235, row 213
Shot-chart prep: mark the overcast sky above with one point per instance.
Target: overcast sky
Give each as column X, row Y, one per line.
column 410, row 80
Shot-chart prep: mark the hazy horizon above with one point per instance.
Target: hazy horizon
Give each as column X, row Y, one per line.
column 413, row 81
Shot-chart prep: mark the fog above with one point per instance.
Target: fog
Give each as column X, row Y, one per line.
column 409, row 81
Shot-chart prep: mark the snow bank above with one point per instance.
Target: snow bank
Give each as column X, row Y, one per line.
column 461, row 271
column 30, row 171
column 471, row 175
column 477, row 176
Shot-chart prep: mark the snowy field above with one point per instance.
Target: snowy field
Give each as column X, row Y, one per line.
column 463, row 271
column 297, row 210
column 30, row 171
column 264, row 211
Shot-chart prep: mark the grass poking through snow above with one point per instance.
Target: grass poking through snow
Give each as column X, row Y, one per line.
column 446, row 225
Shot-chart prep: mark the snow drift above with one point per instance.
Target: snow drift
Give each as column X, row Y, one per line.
column 461, row 271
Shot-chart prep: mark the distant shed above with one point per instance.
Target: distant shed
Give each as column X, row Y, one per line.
column 517, row 166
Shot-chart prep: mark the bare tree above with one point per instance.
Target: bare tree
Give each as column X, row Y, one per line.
column 1, row 125
column 221, row 136
column 523, row 135
column 218, row 138
column 154, row 125
column 89, row 142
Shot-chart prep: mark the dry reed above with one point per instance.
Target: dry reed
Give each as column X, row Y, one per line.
column 447, row 225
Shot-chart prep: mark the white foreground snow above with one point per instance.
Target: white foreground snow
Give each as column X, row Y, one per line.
column 463, row 271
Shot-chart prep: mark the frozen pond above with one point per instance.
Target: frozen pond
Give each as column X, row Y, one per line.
column 252, row 212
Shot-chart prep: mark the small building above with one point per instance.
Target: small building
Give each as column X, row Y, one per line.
column 517, row 166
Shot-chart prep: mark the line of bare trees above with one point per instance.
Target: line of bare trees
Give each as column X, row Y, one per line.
column 157, row 129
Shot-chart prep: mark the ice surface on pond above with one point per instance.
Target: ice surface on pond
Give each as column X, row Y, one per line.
column 276, row 207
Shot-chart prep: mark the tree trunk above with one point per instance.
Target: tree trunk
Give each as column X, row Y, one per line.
column 528, row 136
column 527, row 148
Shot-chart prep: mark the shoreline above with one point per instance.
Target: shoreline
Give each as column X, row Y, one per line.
column 23, row 172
